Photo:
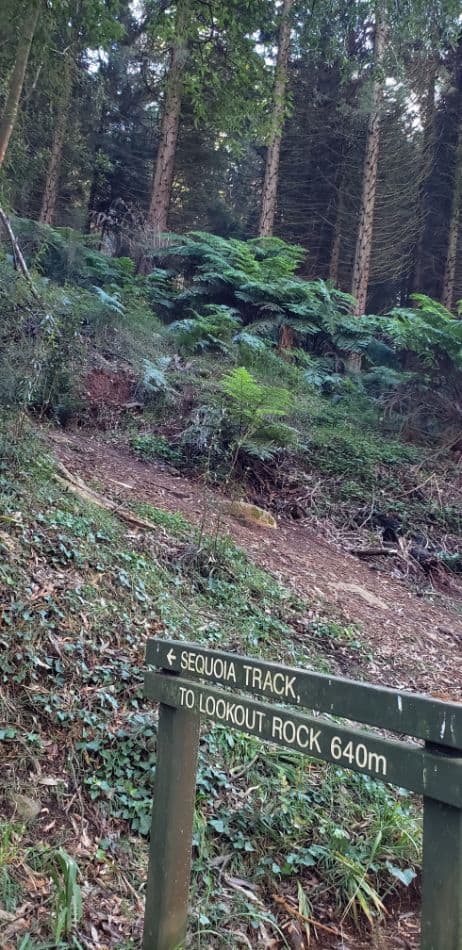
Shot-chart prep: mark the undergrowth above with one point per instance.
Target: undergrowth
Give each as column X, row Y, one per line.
column 80, row 595
column 208, row 391
column 193, row 349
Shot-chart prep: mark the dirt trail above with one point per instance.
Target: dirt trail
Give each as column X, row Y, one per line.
column 414, row 640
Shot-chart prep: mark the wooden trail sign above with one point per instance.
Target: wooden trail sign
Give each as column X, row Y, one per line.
column 432, row 769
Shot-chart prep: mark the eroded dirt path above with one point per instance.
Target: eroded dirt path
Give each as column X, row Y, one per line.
column 414, row 640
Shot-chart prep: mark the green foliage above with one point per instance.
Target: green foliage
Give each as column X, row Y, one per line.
column 429, row 331
column 212, row 330
column 251, row 401
column 66, row 257
column 122, row 775
column 43, row 344
column 111, row 301
column 249, row 425
column 221, row 68
column 148, row 447
column 245, row 423
column 428, row 341
column 11, row 834
column 255, row 281
column 83, row 684
column 63, row 255
column 236, row 296
column 249, row 345
column 67, row 897
column 211, row 257
column 155, row 386
column 255, row 414
column 338, row 445
column 56, row 336
column 160, row 291
column 316, row 828
column 206, row 439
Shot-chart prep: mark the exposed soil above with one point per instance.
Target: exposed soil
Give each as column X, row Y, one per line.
column 411, row 638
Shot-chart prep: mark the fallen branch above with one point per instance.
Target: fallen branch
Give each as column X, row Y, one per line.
column 75, row 484
column 17, row 253
column 171, row 491
column 410, row 554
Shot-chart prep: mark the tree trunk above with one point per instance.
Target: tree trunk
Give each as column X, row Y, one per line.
column 366, row 215
column 157, row 218
column 286, row 338
column 10, row 110
column 50, row 193
column 334, row 262
column 95, row 179
column 428, row 157
column 447, row 296
column 270, row 183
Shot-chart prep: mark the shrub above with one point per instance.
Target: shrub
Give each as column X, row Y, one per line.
column 43, row 343
column 148, row 447
column 255, row 413
column 247, row 426
column 428, row 342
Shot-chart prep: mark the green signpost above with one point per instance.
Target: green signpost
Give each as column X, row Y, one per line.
column 432, row 768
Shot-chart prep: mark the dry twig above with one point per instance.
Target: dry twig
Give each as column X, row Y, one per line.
column 306, row 920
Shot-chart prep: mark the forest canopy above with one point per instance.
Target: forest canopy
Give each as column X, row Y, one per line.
column 335, row 126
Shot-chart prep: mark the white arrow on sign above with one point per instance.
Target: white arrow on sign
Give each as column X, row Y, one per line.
column 171, row 657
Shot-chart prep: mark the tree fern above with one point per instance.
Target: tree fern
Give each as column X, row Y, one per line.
column 253, row 400
column 430, row 331
column 211, row 330
column 255, row 412
column 257, row 278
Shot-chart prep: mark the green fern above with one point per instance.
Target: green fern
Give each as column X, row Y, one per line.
column 249, row 342
column 251, row 399
column 154, row 378
column 213, row 329
column 430, row 331
column 255, row 412
column 111, row 301
column 256, row 280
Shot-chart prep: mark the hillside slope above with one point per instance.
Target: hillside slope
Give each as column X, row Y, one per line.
column 81, row 590
column 409, row 639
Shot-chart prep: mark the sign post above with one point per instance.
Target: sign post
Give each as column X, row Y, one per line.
column 432, row 769
column 171, row 830
column 442, row 875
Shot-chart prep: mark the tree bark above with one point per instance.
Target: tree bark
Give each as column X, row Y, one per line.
column 366, row 215
column 157, row 218
column 11, row 107
column 447, row 295
column 334, row 262
column 428, row 157
column 270, row 182
column 286, row 338
column 50, row 193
